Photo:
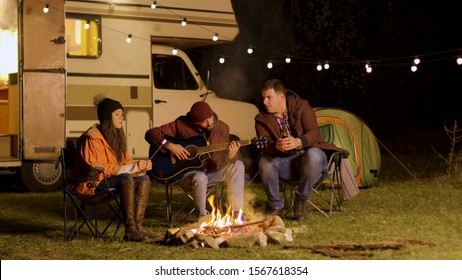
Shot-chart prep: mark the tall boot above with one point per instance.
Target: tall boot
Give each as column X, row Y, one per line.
column 142, row 196
column 127, row 201
column 300, row 208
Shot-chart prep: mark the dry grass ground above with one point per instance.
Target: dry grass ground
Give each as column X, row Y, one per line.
column 398, row 220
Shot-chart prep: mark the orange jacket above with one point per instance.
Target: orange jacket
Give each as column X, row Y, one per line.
column 93, row 151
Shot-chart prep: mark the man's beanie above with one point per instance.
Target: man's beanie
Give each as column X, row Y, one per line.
column 200, row 111
column 105, row 107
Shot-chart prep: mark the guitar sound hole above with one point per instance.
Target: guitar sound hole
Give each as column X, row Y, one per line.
column 192, row 152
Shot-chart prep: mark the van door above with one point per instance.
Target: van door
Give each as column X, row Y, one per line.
column 43, row 84
column 175, row 86
column 42, row 67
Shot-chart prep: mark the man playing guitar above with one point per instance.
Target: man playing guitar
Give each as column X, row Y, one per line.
column 218, row 166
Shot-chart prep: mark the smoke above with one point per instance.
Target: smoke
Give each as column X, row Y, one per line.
column 249, row 210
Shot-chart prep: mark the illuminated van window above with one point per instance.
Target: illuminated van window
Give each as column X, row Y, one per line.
column 83, row 37
column 8, row 54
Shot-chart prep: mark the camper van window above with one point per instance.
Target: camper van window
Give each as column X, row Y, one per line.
column 83, row 36
column 171, row 72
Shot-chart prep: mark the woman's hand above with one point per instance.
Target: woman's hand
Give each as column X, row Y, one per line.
column 145, row 165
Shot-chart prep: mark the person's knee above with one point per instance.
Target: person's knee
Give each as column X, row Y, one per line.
column 316, row 156
column 239, row 167
column 199, row 181
column 125, row 177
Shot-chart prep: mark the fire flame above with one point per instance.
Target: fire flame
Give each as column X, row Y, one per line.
column 220, row 220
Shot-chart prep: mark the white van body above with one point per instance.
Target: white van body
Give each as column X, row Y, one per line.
column 56, row 91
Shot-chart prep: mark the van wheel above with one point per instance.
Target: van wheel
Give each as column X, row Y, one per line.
column 41, row 176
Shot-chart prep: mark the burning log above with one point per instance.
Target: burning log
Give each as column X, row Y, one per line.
column 235, row 235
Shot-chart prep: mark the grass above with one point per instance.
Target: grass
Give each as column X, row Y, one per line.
column 401, row 218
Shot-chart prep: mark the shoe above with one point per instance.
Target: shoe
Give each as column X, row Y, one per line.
column 276, row 212
column 299, row 208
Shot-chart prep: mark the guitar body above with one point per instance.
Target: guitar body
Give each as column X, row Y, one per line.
column 168, row 169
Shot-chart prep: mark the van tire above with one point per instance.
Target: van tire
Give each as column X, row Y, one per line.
column 41, row 176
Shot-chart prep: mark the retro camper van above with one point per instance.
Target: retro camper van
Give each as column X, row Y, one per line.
column 129, row 50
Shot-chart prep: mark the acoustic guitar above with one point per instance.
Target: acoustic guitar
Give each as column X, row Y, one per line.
column 167, row 169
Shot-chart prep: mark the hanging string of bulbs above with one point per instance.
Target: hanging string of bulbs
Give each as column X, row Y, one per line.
column 368, row 65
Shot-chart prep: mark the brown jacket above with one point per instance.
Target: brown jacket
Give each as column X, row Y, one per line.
column 184, row 127
column 93, row 151
column 303, row 124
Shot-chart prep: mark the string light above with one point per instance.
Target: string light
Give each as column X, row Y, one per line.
column 319, row 67
column 221, row 60
column 184, row 22
column 368, row 67
column 174, row 51
column 269, row 65
column 154, row 5
column 459, row 60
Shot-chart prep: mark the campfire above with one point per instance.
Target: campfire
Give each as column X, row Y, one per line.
column 224, row 230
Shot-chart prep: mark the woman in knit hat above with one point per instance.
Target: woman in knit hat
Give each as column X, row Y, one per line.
column 104, row 145
column 221, row 166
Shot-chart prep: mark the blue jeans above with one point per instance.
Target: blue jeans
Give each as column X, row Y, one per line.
column 303, row 168
column 116, row 180
column 232, row 175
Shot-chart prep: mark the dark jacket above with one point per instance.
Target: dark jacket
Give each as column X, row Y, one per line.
column 184, row 127
column 303, row 123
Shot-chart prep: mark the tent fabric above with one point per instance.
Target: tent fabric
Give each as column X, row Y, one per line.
column 347, row 130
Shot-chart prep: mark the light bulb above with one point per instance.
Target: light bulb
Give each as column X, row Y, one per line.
column 184, row 22
column 215, row 37
column 416, row 61
column 129, row 38
column 174, row 51
column 459, row 60
column 46, row 8
column 269, row 65
column 250, row 50
column 414, row 68
column 154, row 5
column 326, row 66
column 368, row 69
column 222, row 60
column 87, row 25
column 319, row 67
column 288, row 60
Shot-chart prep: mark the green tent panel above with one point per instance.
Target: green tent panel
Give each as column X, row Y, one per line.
column 346, row 130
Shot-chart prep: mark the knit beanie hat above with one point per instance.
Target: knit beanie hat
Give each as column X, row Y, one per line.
column 105, row 108
column 200, row 111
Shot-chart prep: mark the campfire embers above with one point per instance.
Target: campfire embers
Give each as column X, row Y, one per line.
column 217, row 230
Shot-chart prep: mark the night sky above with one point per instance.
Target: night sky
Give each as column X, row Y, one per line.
column 406, row 109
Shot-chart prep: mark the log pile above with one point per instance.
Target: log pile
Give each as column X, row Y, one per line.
column 270, row 230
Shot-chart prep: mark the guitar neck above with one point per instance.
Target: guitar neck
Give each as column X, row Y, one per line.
column 220, row 147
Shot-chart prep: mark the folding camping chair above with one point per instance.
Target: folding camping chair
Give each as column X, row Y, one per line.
column 215, row 189
column 327, row 190
column 88, row 210
column 325, row 194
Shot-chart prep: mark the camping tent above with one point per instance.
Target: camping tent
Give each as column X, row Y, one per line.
column 348, row 131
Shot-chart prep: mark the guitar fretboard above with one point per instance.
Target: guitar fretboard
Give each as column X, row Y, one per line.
column 220, row 147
